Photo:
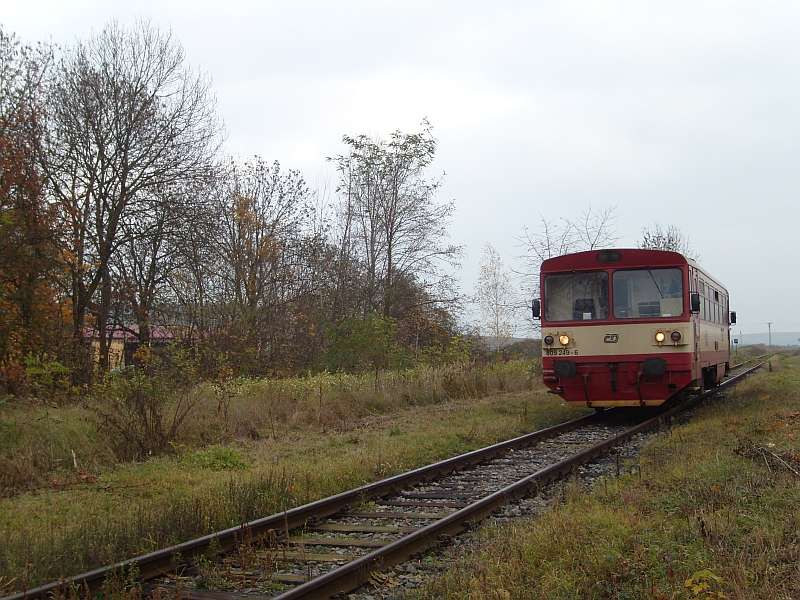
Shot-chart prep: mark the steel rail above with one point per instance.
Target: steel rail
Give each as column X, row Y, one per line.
column 357, row 572
column 749, row 360
column 151, row 565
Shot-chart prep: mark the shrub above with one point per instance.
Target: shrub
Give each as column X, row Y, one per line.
column 141, row 410
column 361, row 344
column 46, row 378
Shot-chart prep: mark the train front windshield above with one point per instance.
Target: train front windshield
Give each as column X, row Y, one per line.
column 648, row 293
column 637, row 293
column 576, row 296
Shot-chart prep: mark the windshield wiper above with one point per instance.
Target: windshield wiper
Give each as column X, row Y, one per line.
column 653, row 277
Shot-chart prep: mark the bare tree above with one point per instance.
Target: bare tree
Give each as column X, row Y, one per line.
column 127, row 118
column 595, row 228
column 591, row 230
column 495, row 296
column 153, row 248
column 195, row 287
column 393, row 222
column 656, row 237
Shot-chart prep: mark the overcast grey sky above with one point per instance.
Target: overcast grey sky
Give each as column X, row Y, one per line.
column 675, row 112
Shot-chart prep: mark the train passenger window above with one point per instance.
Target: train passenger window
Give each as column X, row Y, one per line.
column 648, row 293
column 576, row 296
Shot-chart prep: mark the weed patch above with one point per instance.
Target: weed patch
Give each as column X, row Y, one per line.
column 215, row 458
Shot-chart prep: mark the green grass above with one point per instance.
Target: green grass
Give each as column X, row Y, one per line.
column 713, row 514
column 136, row 507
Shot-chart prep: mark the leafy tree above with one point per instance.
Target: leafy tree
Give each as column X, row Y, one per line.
column 29, row 308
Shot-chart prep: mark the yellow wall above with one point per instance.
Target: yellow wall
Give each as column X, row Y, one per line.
column 116, row 353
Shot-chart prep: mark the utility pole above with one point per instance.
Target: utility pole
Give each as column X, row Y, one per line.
column 769, row 329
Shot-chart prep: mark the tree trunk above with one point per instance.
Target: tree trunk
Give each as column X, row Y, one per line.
column 387, row 292
column 79, row 355
column 102, row 319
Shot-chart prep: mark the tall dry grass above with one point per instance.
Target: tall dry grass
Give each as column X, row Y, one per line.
column 45, row 446
column 337, row 401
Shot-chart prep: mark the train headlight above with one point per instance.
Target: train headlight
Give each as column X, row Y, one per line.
column 563, row 339
column 548, row 339
column 675, row 336
column 660, row 336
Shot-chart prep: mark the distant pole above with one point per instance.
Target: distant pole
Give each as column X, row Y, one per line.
column 769, row 328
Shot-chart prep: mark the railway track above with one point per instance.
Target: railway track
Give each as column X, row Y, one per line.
column 335, row 544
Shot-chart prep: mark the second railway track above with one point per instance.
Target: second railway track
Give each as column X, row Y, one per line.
column 335, row 544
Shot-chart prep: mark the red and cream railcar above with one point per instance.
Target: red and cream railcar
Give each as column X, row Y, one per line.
column 631, row 327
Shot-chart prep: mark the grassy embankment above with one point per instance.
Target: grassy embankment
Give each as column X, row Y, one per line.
column 714, row 512
column 269, row 445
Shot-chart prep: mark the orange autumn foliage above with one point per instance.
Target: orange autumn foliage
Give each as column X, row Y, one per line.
column 31, row 315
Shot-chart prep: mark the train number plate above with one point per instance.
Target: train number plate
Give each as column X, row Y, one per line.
column 559, row 352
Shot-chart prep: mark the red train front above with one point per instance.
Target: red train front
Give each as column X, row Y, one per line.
column 630, row 327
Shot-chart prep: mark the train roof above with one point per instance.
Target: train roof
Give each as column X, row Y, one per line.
column 608, row 257
column 621, row 257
